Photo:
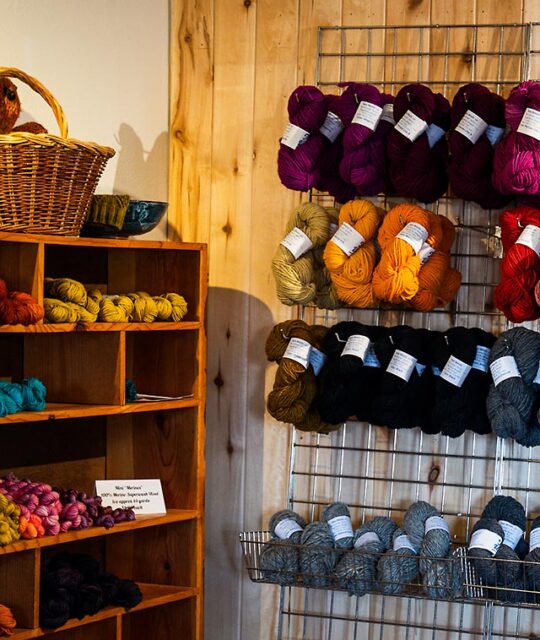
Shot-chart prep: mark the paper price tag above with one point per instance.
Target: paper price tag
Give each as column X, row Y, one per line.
column 347, row 239
column 487, row 540
column 332, row 126
column 455, row 371
column 316, row 360
column 401, row 365
column 411, row 126
column 144, row 496
column 298, row 350
column 414, row 234
column 436, row 522
column 494, row 134
column 504, row 368
column 366, row 538
column 434, row 133
column 425, row 253
column 481, row 360
column 512, row 534
column 530, row 237
column 472, row 126
column 388, row 113
column 294, row 136
column 356, row 346
column 371, row 359
column 297, row 242
column 341, row 527
column 403, row 542
column 285, row 528
column 368, row 115
column 530, row 123
column 534, row 542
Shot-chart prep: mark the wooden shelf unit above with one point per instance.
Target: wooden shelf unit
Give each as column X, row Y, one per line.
column 88, row 432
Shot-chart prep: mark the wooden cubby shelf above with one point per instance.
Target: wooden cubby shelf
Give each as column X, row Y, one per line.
column 88, row 431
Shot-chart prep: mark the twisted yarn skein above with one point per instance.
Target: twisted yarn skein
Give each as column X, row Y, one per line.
column 17, row 307
column 280, row 557
column 398, row 566
column 478, row 382
column 486, row 538
column 532, row 562
column 7, row 621
column 338, row 517
column 9, row 521
column 318, row 556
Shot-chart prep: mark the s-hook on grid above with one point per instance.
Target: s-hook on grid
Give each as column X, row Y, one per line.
column 379, row 472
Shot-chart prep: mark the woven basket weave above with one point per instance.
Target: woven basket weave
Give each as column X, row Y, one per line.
column 47, row 181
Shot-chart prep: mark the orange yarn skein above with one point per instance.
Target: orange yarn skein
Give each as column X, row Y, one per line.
column 352, row 274
column 7, row 621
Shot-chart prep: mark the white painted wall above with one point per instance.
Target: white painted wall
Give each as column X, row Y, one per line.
column 106, row 61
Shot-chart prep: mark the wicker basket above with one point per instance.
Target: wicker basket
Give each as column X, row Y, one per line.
column 47, row 181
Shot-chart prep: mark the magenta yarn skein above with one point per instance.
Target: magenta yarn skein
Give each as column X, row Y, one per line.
column 418, row 160
column 477, row 126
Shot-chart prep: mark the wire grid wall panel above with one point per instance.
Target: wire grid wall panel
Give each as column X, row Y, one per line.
column 377, row 471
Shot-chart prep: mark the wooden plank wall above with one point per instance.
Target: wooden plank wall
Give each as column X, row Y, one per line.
column 233, row 65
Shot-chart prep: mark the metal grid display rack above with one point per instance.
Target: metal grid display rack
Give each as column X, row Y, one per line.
column 381, row 472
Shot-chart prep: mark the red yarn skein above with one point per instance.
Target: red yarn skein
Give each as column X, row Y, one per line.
column 17, row 307
column 520, row 266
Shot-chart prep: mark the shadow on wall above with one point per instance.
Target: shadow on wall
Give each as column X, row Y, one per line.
column 237, row 328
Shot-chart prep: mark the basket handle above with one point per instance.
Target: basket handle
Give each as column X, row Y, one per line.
column 12, row 72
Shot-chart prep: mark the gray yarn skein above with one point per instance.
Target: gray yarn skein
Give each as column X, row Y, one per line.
column 318, row 556
column 397, row 568
column 279, row 560
column 335, row 510
column 482, row 559
column 510, row 405
column 441, row 578
column 357, row 570
column 532, row 567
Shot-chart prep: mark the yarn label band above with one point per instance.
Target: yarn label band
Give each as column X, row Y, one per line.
column 481, row 360
column 356, row 346
column 294, row 136
column 366, row 538
column 436, row 522
column 414, row 234
column 403, row 542
column 341, row 527
column 420, row 368
column 347, row 239
column 455, row 371
column 472, row 126
column 534, row 541
column 144, row 496
column 286, row 527
column 494, row 134
column 487, row 540
column 316, row 360
column 297, row 242
column 504, row 368
column 411, row 126
column 371, row 359
column 332, row 126
column 512, row 533
column 530, row 123
column 298, row 350
column 425, row 253
column 388, row 113
column 434, row 133
column 530, row 237
column 402, row 365
column 368, row 115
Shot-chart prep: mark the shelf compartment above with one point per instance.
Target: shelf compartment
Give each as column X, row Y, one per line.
column 88, row 327
column 174, row 620
column 20, row 267
column 19, row 586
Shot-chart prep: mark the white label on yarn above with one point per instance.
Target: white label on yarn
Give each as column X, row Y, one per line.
column 425, row 253
column 368, row 115
column 530, row 123
column 332, row 126
column 316, row 360
column 504, row 368
column 530, row 237
column 512, row 534
column 347, row 239
column 472, row 126
column 411, row 126
column 455, row 371
column 487, row 540
column 534, row 542
column 434, row 133
column 436, row 370
column 356, row 346
column 371, row 359
column 298, row 350
column 401, row 365
column 366, row 538
column 388, row 113
column 297, row 242
column 285, row 528
column 420, row 368
column 341, row 527
column 537, row 377
column 403, row 542
column 294, row 136
column 436, row 522
column 481, row 360
column 494, row 134
column 414, row 234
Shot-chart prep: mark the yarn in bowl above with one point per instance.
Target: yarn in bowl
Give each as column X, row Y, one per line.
column 142, row 216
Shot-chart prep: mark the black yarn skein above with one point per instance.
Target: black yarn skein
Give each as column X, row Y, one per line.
column 482, row 558
column 479, row 380
column 532, row 563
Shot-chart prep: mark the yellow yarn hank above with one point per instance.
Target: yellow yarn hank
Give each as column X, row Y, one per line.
column 58, row 312
column 66, row 289
column 9, row 521
column 116, row 309
column 164, row 308
column 179, row 306
column 144, row 307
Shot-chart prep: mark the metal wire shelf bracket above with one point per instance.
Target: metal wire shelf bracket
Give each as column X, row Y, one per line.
column 374, row 470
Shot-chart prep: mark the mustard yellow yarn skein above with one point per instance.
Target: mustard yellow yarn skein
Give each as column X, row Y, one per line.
column 9, row 521
column 164, row 308
column 116, row 309
column 57, row 311
column 179, row 306
column 144, row 307
column 66, row 289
